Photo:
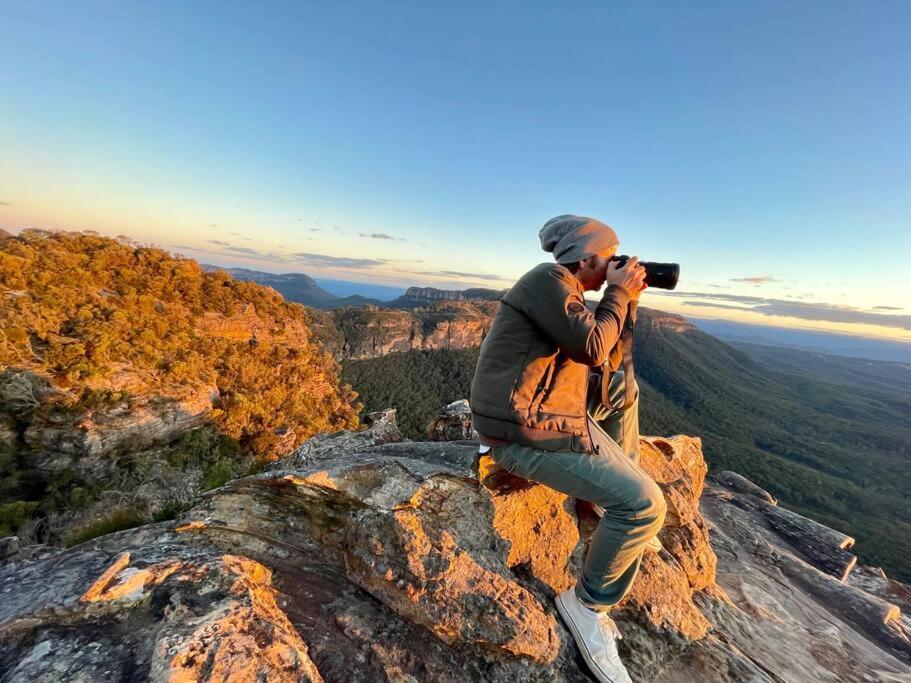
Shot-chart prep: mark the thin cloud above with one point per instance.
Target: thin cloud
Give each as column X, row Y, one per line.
column 219, row 243
column 888, row 308
column 316, row 230
column 5, row 204
column 246, row 251
column 731, row 307
column 458, row 273
column 377, row 235
column 755, row 280
column 310, row 259
column 795, row 309
column 215, row 225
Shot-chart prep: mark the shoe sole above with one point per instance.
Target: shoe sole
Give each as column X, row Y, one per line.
column 580, row 643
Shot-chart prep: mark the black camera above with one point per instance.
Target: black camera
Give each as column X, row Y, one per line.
column 660, row 275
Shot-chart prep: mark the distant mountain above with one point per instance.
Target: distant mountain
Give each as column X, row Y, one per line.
column 305, row 290
column 811, row 340
column 296, row 287
column 344, row 288
column 860, row 372
column 422, row 296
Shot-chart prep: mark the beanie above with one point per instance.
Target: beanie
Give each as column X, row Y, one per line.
column 572, row 238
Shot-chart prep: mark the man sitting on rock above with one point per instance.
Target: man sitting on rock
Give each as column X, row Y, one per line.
column 530, row 399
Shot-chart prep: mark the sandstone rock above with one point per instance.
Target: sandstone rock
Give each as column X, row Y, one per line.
column 823, row 547
column 381, row 428
column 62, row 438
column 416, row 296
column 736, row 482
column 9, row 546
column 213, row 616
column 369, row 558
column 795, row 621
column 453, row 425
column 370, row 331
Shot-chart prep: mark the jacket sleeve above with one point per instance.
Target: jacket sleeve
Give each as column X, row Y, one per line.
column 558, row 308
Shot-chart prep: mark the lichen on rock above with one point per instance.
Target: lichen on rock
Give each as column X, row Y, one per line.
column 362, row 556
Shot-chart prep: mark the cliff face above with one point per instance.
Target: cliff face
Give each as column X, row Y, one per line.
column 441, row 320
column 369, row 331
column 421, row 296
column 360, row 557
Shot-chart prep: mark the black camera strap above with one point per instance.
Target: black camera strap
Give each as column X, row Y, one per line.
column 629, row 371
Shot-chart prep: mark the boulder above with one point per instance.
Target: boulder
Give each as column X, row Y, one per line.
column 453, row 424
column 365, row 557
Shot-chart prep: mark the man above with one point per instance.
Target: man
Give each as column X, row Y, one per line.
column 529, row 401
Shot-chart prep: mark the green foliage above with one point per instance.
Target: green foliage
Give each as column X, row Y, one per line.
column 218, row 475
column 13, row 514
column 116, row 520
column 200, row 448
column 169, row 511
column 417, row 383
column 91, row 311
column 92, row 325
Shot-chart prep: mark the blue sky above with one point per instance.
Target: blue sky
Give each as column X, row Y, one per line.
column 764, row 146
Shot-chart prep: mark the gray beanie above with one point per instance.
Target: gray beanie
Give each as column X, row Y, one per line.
column 573, row 238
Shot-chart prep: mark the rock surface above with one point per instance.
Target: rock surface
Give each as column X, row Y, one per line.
column 454, row 424
column 82, row 440
column 421, row 296
column 364, row 557
column 370, row 331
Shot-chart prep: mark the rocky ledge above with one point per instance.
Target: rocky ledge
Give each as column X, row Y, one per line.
column 363, row 557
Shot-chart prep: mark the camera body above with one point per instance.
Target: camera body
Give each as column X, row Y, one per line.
column 660, row 275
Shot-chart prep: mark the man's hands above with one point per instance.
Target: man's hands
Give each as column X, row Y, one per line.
column 631, row 276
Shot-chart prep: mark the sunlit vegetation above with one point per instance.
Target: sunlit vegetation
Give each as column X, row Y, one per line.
column 90, row 324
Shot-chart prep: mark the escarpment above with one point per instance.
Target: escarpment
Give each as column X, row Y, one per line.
column 362, row 556
column 369, row 331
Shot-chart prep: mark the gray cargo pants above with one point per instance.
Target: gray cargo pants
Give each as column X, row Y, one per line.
column 633, row 504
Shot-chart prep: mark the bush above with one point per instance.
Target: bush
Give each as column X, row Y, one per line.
column 13, row 514
column 170, row 510
column 218, row 475
column 97, row 306
column 117, row 520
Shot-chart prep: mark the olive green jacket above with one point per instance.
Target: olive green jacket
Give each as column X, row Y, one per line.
column 531, row 381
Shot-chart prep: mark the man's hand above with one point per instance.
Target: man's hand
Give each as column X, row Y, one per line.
column 631, row 276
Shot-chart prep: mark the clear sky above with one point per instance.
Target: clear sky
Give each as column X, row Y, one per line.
column 766, row 147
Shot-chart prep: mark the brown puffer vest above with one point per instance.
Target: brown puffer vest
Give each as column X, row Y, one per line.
column 531, row 380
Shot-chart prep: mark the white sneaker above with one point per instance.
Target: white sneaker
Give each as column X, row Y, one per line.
column 596, row 635
column 654, row 543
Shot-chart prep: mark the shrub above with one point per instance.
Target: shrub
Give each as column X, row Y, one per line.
column 13, row 514
column 218, row 475
column 116, row 520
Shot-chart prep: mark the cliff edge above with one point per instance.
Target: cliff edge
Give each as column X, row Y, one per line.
column 364, row 557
